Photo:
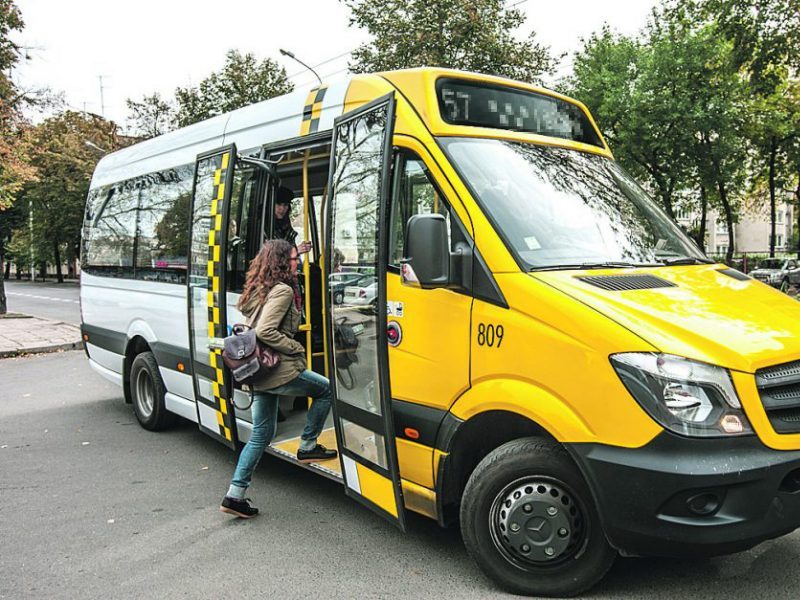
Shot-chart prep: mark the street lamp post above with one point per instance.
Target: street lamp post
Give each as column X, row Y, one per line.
column 30, row 228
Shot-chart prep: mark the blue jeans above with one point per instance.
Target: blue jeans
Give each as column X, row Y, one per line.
column 264, row 413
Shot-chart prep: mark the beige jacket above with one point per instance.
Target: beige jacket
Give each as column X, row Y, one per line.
column 277, row 324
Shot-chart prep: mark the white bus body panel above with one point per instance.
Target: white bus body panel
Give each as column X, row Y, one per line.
column 106, row 373
column 157, row 311
column 110, row 361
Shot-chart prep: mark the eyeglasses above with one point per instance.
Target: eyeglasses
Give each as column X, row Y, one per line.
column 295, row 258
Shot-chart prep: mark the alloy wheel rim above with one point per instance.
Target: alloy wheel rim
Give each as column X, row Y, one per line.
column 145, row 393
column 537, row 522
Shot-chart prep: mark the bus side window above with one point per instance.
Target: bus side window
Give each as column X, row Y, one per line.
column 239, row 225
column 110, row 232
column 414, row 194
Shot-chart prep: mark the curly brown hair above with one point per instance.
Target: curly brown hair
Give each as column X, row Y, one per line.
column 270, row 266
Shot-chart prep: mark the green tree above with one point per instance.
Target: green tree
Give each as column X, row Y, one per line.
column 15, row 168
column 765, row 36
column 673, row 105
column 151, row 116
column 622, row 80
column 474, row 35
column 243, row 80
column 713, row 102
column 765, row 42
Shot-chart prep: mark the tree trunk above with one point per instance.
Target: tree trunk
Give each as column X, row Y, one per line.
column 701, row 235
column 726, row 205
column 7, row 273
column 773, row 152
column 3, row 305
column 797, row 209
column 665, row 193
column 57, row 255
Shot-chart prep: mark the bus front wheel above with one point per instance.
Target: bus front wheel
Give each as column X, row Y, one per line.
column 528, row 521
column 147, row 392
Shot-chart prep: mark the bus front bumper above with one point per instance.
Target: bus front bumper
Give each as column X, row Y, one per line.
column 692, row 497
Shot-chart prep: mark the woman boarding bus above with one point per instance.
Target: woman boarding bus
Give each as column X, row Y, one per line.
column 553, row 363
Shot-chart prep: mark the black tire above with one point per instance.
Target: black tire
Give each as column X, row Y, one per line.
column 570, row 553
column 785, row 286
column 147, row 393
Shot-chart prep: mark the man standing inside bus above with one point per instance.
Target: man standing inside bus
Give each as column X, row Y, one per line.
column 282, row 220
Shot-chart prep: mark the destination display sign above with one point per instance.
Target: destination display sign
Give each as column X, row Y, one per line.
column 500, row 107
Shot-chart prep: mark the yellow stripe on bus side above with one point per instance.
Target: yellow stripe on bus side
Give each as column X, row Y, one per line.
column 377, row 489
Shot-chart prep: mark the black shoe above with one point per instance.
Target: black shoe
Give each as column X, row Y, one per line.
column 240, row 508
column 317, row 453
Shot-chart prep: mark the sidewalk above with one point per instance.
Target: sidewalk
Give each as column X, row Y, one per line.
column 24, row 334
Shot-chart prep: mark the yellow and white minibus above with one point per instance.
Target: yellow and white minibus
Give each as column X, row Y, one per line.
column 519, row 339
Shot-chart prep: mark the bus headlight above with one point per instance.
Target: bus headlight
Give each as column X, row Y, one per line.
column 684, row 396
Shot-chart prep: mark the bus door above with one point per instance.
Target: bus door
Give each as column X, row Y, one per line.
column 357, row 221
column 213, row 181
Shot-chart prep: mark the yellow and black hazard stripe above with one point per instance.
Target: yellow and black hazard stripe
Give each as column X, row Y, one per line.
column 312, row 111
column 214, row 278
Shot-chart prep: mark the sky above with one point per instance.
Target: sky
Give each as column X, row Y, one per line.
column 101, row 52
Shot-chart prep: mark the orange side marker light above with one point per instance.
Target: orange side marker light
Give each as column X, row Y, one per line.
column 411, row 433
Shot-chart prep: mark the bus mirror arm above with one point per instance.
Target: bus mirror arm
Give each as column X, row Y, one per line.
column 461, row 267
column 265, row 165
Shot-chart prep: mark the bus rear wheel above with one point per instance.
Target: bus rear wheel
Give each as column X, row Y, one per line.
column 147, row 392
column 528, row 521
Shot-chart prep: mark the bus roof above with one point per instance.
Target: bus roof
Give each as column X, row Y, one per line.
column 282, row 118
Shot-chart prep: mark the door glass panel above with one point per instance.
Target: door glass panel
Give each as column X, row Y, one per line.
column 242, row 198
column 356, row 245
column 207, row 270
column 198, row 257
column 365, row 443
column 357, row 180
column 415, row 195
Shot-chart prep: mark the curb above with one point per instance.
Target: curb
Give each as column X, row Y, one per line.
column 41, row 349
column 29, row 350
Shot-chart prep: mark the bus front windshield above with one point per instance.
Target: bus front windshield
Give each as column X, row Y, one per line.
column 560, row 208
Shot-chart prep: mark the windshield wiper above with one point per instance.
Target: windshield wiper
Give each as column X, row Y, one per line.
column 686, row 260
column 591, row 265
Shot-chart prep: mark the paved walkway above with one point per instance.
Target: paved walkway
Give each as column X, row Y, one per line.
column 24, row 334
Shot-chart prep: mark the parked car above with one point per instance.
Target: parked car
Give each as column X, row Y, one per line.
column 364, row 294
column 339, row 281
column 778, row 272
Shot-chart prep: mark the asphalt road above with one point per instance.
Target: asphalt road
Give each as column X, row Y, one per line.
column 57, row 301
column 93, row 506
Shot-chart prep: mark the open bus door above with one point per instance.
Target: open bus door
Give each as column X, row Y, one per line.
column 213, row 181
column 357, row 228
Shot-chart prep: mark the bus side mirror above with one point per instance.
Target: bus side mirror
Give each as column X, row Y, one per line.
column 428, row 262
